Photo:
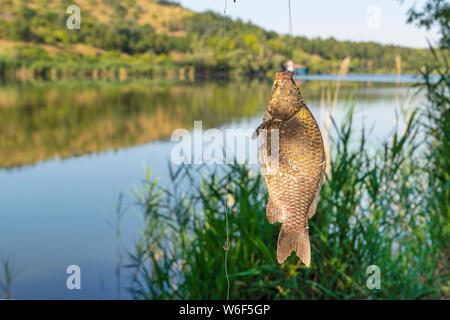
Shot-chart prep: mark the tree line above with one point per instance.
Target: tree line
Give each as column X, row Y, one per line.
column 201, row 43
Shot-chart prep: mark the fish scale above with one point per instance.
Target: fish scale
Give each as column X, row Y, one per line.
column 295, row 184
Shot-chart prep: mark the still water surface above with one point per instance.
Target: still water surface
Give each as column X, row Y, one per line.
column 67, row 150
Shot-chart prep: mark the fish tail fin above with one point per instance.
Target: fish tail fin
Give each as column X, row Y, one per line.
column 297, row 241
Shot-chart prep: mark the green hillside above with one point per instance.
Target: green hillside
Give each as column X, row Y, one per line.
column 159, row 38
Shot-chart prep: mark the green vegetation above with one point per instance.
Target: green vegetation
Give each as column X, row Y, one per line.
column 437, row 128
column 437, row 122
column 160, row 39
column 372, row 211
column 7, row 274
column 433, row 14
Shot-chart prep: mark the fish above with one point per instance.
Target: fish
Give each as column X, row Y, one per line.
column 294, row 185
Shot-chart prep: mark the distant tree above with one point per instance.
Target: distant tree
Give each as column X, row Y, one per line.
column 434, row 13
column 21, row 28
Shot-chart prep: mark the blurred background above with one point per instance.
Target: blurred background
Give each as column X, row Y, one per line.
column 90, row 96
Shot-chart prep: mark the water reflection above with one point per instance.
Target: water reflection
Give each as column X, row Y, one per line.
column 40, row 121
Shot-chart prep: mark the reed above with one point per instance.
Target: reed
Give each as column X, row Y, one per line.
column 331, row 106
column 7, row 275
column 114, row 221
column 436, row 124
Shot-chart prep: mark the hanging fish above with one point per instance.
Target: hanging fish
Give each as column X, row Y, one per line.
column 293, row 186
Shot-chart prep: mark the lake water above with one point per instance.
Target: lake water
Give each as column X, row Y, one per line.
column 67, row 150
column 381, row 78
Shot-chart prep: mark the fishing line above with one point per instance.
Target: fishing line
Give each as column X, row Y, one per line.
column 291, row 31
column 226, row 247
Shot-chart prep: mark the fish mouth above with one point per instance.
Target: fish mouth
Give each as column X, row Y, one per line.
column 285, row 75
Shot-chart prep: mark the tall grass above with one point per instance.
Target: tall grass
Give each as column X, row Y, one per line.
column 437, row 127
column 372, row 211
column 7, row 274
column 114, row 221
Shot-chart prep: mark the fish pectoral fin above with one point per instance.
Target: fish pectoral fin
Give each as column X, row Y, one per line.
column 313, row 205
column 273, row 214
column 296, row 240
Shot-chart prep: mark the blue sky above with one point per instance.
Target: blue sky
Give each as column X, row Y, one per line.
column 381, row 21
